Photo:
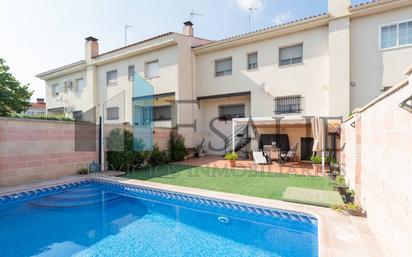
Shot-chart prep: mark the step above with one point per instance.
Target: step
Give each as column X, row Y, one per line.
column 58, row 203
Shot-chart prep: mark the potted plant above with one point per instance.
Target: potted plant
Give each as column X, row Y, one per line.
column 316, row 163
column 340, row 185
column 231, row 158
column 354, row 210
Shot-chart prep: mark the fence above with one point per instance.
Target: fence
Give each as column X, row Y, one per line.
column 34, row 150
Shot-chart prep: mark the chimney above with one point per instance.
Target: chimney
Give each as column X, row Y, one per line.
column 188, row 28
column 40, row 100
column 338, row 8
column 91, row 48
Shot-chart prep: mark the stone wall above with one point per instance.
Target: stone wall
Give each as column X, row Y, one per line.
column 377, row 159
column 35, row 150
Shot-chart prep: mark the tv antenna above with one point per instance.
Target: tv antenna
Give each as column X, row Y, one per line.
column 252, row 10
column 193, row 13
column 126, row 27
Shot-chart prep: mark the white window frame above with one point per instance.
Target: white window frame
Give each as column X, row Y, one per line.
column 130, row 76
column 113, row 108
column 397, row 35
column 287, row 46
column 231, row 67
column 55, row 93
column 146, row 65
column 247, row 61
column 77, row 84
column 107, row 79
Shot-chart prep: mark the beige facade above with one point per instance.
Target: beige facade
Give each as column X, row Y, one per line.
column 341, row 66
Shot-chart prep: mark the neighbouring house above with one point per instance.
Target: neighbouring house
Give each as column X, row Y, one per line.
column 37, row 108
column 324, row 65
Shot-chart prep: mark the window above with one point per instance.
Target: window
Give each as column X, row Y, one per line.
column 252, row 61
column 111, row 77
column 223, row 67
column 79, row 84
column 288, row 104
column 130, row 72
column 152, row 69
column 162, row 113
column 228, row 112
column 55, row 89
column 112, row 113
column 405, row 33
column 291, row 55
column 395, row 35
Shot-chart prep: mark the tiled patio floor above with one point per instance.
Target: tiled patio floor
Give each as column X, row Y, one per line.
column 214, row 161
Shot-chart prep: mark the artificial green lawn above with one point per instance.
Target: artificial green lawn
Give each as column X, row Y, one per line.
column 244, row 182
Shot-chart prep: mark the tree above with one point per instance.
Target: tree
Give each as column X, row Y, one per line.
column 14, row 97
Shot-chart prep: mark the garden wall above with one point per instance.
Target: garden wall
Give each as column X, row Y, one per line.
column 35, row 150
column 377, row 159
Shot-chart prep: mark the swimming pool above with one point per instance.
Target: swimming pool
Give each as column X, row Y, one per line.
column 100, row 218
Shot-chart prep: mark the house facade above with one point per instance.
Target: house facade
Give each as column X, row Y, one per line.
column 325, row 65
column 37, row 108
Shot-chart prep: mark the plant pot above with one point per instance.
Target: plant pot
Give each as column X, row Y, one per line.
column 356, row 212
column 317, row 168
column 232, row 163
column 341, row 189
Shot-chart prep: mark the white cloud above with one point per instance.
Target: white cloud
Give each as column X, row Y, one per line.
column 246, row 4
column 282, row 18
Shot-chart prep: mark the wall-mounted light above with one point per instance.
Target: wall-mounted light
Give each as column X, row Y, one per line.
column 407, row 104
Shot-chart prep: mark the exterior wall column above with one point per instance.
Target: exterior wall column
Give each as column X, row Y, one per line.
column 339, row 67
column 339, row 58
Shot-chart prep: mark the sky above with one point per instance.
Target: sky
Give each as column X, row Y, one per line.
column 39, row 35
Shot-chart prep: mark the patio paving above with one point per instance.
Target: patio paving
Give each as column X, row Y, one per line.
column 214, row 161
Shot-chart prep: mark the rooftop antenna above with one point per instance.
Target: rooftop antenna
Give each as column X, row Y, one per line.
column 252, row 10
column 126, row 27
column 193, row 13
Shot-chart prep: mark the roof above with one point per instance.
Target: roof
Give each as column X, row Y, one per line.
column 73, row 65
column 38, row 105
column 150, row 39
column 83, row 62
column 364, row 3
column 138, row 43
column 276, row 27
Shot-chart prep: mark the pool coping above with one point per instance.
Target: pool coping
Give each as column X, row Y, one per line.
column 338, row 235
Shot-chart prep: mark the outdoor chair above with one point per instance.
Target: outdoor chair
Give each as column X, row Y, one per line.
column 290, row 155
column 259, row 157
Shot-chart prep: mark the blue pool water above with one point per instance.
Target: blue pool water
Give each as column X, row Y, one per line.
column 96, row 219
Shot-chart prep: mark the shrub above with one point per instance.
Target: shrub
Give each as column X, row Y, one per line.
column 340, row 181
column 177, row 149
column 316, row 159
column 41, row 117
column 120, row 154
column 157, row 157
column 232, row 156
column 83, row 171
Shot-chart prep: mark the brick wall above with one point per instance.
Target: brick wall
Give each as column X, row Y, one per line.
column 35, row 150
column 378, row 163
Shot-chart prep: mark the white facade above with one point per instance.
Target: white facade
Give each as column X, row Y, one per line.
column 341, row 67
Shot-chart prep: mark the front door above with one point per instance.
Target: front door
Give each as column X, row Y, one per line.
column 306, row 144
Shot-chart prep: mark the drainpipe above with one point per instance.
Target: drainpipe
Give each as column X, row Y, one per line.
column 233, row 134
